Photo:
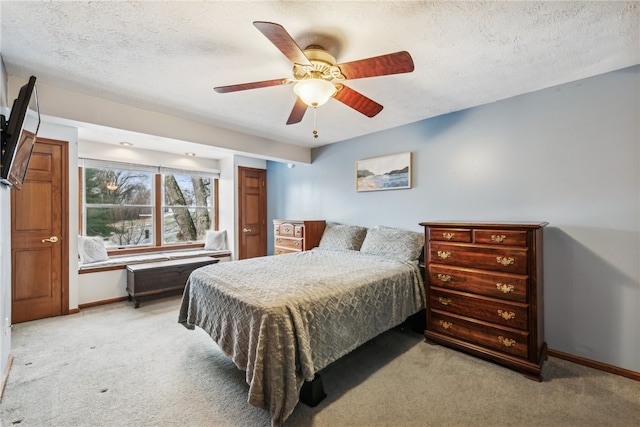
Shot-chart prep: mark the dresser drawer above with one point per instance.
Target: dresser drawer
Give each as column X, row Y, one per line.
column 497, row 285
column 508, row 260
column 450, row 234
column 500, row 237
column 502, row 313
column 284, row 229
column 503, row 340
column 289, row 243
column 280, row 250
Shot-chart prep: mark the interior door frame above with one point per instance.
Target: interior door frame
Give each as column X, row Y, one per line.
column 64, row 195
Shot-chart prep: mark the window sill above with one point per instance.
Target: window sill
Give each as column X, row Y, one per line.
column 121, row 262
column 154, row 249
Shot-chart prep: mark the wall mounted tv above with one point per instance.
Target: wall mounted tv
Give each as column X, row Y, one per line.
column 19, row 135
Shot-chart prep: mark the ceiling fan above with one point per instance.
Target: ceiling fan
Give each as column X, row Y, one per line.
column 318, row 78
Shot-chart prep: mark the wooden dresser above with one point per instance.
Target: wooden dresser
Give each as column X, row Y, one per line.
column 484, row 291
column 296, row 236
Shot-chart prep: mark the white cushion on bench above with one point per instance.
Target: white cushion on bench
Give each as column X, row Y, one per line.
column 149, row 257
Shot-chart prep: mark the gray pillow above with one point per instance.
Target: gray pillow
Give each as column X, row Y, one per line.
column 338, row 237
column 91, row 249
column 394, row 243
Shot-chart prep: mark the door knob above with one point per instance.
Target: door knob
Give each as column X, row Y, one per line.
column 51, row 239
column 246, row 230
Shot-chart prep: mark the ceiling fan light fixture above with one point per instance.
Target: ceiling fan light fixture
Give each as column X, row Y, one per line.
column 314, row 92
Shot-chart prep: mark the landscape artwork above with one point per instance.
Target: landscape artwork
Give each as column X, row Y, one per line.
column 384, row 173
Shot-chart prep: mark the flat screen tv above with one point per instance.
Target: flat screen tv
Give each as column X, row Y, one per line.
column 19, row 135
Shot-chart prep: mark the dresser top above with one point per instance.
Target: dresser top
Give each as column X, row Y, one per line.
column 485, row 224
column 298, row 220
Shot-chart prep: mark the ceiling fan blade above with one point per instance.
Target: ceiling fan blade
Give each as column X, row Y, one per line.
column 358, row 101
column 392, row 63
column 283, row 41
column 254, row 85
column 298, row 112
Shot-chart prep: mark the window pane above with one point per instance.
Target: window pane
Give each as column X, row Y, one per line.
column 118, row 187
column 181, row 224
column 187, row 208
column 121, row 226
column 183, row 190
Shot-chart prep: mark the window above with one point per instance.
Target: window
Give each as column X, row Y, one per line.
column 133, row 206
column 119, row 206
column 186, row 209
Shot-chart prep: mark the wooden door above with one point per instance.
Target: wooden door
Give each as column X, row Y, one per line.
column 39, row 247
column 252, row 212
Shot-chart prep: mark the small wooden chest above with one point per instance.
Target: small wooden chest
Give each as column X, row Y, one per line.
column 162, row 277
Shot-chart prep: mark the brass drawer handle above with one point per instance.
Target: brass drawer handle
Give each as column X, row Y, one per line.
column 448, row 236
column 506, row 315
column 278, row 251
column 498, row 238
column 444, row 301
column 287, row 230
column 446, row 325
column 504, row 260
column 505, row 288
column 278, row 240
column 444, row 254
column 444, row 277
column 297, row 243
column 507, row 342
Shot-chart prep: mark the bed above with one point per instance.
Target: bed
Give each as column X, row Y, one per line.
column 284, row 318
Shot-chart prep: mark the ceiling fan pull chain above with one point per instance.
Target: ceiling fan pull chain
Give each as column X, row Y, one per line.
column 315, row 126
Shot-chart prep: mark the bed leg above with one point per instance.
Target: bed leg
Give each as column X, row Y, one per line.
column 312, row 392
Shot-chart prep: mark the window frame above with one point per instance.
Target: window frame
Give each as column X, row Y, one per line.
column 157, row 208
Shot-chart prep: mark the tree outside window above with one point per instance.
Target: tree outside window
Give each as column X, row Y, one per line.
column 186, row 210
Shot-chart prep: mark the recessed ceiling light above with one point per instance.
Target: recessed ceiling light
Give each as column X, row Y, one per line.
column 126, row 144
column 190, row 154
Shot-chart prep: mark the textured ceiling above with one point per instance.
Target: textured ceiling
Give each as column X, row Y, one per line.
column 168, row 56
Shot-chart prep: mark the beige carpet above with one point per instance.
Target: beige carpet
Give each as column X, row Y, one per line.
column 118, row 366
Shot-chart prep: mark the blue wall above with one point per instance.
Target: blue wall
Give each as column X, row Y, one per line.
column 568, row 155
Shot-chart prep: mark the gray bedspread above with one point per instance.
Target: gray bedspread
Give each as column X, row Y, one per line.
column 283, row 318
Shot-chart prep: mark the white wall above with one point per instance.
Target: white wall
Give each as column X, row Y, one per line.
column 118, row 153
column 227, row 201
column 568, row 155
column 5, row 250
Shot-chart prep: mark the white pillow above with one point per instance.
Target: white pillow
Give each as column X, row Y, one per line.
column 215, row 240
column 91, row 249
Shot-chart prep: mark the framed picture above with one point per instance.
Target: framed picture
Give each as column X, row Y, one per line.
column 384, row 173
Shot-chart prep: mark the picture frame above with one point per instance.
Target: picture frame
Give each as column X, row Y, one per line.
column 391, row 172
